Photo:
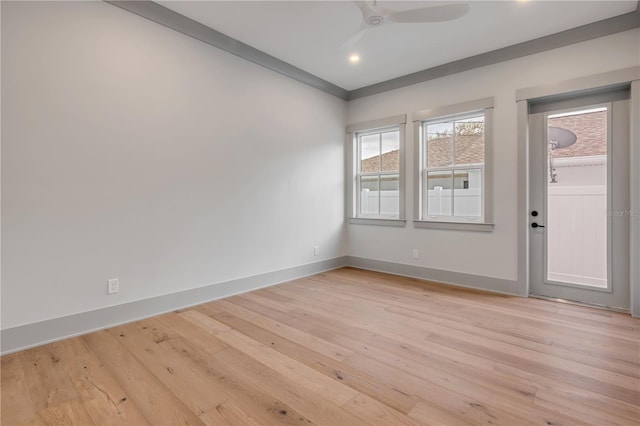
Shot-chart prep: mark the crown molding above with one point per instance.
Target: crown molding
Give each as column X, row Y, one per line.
column 189, row 27
column 170, row 19
column 617, row 24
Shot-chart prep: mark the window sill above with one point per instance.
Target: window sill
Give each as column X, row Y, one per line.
column 454, row 226
column 377, row 222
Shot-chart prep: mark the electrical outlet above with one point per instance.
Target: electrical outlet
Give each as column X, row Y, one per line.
column 113, row 286
column 416, row 254
column 316, row 250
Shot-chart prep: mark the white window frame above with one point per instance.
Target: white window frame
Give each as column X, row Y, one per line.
column 353, row 131
column 440, row 114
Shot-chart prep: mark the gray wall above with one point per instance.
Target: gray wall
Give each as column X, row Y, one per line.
column 132, row 151
column 487, row 254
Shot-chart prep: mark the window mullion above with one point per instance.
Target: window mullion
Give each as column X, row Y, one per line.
column 453, row 144
column 379, row 174
column 358, row 196
column 465, row 167
column 359, row 176
column 453, row 170
column 453, row 181
column 425, row 194
column 380, row 151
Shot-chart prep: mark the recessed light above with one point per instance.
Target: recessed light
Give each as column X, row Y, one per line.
column 354, row 58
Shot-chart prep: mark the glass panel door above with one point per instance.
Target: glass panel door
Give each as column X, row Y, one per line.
column 576, row 197
column 579, row 186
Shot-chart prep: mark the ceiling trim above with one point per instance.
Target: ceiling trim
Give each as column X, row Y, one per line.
column 187, row 26
column 591, row 31
column 582, row 85
column 170, row 19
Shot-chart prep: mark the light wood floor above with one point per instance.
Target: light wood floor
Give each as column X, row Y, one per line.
column 346, row 347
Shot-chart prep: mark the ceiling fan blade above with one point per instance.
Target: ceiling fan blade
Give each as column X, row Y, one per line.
column 351, row 41
column 365, row 9
column 431, row 14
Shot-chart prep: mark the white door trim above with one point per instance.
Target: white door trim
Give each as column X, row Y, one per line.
column 580, row 85
column 634, row 273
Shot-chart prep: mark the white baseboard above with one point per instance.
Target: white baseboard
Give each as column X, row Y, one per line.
column 39, row 333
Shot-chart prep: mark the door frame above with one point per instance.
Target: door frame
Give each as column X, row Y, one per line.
column 579, row 86
column 616, row 294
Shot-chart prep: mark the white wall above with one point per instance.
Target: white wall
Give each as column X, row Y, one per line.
column 487, row 254
column 132, row 151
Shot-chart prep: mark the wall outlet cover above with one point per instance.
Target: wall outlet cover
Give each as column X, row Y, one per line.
column 113, row 286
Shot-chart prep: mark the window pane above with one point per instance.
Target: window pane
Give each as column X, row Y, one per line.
column 391, row 151
column 370, row 153
column 467, row 193
column 439, row 144
column 469, row 140
column 577, row 197
column 369, row 195
column 439, row 193
column 390, row 195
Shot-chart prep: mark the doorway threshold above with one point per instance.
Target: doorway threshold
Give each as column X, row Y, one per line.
column 577, row 303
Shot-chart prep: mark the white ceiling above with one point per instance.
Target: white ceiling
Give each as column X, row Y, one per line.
column 308, row 34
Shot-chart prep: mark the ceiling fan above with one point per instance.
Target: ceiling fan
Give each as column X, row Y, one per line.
column 374, row 16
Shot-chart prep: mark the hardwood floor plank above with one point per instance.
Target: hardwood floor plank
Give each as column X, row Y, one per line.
column 196, row 391
column 351, row 376
column 156, row 403
column 228, row 413
column 610, row 321
column 478, row 370
column 17, row 407
column 483, row 305
column 70, row 412
column 203, row 382
column 203, row 321
column 280, row 303
column 317, row 382
column 194, row 335
column 554, row 390
column 376, row 412
column 315, row 407
column 429, row 415
column 345, row 347
column 318, row 345
column 450, row 375
column 214, row 417
column 417, row 325
column 477, row 409
column 262, row 407
column 47, row 385
column 207, row 378
column 104, row 400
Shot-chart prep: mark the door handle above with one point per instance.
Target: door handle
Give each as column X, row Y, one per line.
column 535, row 225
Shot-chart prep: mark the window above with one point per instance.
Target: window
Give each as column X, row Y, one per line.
column 376, row 168
column 378, row 175
column 453, row 174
